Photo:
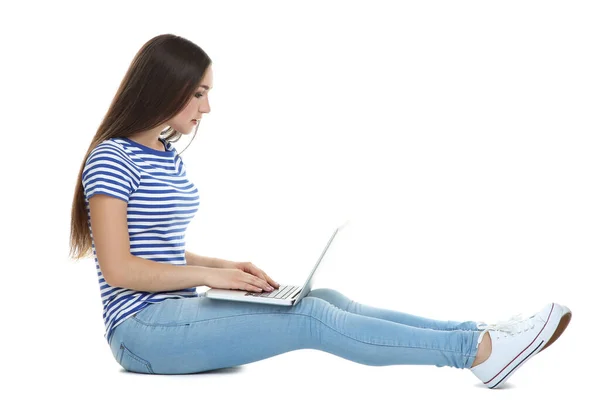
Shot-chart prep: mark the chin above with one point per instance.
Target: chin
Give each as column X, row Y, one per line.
column 185, row 132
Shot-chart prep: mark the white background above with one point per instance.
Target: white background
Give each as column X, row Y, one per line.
column 460, row 138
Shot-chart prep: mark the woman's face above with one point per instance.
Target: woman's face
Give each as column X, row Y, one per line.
column 197, row 106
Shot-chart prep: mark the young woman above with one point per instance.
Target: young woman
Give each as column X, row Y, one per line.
column 131, row 207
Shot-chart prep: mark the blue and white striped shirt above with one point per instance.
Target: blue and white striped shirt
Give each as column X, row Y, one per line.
column 161, row 202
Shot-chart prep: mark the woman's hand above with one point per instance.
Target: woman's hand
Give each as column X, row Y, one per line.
column 251, row 269
column 234, row 278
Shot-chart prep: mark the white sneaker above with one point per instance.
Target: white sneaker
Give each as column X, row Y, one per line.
column 516, row 341
column 564, row 322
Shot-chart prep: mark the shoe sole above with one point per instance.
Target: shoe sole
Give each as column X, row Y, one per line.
column 540, row 341
column 562, row 325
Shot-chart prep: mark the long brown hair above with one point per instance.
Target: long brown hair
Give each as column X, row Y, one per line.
column 159, row 83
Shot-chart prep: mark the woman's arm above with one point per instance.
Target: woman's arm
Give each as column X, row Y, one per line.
column 140, row 274
column 195, row 259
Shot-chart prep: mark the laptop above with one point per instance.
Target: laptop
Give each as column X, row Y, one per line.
column 286, row 295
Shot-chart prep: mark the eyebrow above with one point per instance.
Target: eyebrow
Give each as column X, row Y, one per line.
column 205, row 87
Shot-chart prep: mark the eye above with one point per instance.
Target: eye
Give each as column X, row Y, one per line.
column 198, row 94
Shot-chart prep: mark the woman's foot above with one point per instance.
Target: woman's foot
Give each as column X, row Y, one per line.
column 483, row 350
column 505, row 347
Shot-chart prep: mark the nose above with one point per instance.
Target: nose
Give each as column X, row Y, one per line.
column 202, row 109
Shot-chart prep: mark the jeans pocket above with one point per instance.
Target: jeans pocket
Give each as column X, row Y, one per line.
column 132, row 362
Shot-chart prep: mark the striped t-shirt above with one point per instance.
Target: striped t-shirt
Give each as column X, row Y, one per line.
column 161, row 202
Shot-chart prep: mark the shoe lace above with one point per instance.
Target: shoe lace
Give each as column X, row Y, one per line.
column 514, row 325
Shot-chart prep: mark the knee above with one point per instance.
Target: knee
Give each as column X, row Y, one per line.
column 321, row 291
column 332, row 296
column 312, row 306
column 326, row 293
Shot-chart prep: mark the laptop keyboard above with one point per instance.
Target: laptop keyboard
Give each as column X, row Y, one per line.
column 283, row 292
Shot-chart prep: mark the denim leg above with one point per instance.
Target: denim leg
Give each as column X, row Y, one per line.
column 341, row 301
column 178, row 336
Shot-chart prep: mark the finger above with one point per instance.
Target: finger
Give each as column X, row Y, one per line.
column 270, row 281
column 251, row 288
column 246, row 282
column 263, row 275
column 253, row 280
column 254, row 270
column 266, row 278
column 265, row 285
column 261, row 283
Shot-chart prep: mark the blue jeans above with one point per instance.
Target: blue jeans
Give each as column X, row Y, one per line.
column 179, row 336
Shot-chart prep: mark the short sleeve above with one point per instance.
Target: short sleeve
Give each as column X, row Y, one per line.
column 108, row 170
